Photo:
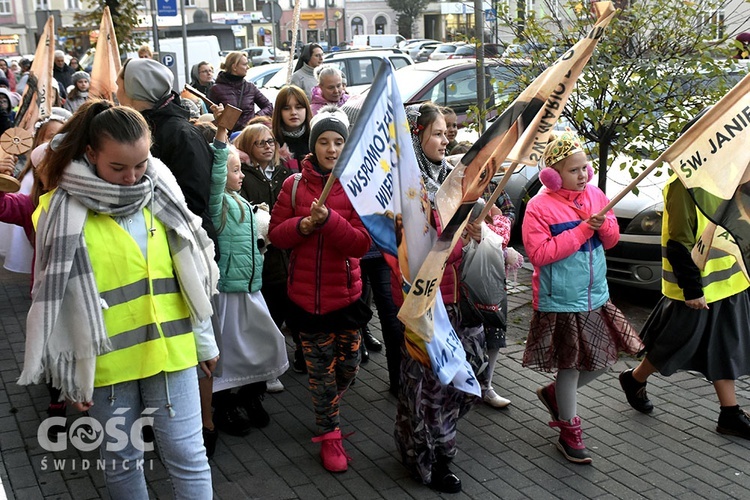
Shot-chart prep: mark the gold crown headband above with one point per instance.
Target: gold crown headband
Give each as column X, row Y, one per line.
column 560, row 147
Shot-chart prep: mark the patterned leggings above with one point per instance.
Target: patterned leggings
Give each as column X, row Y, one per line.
column 332, row 363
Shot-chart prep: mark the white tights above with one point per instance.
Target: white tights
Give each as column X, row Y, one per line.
column 566, row 388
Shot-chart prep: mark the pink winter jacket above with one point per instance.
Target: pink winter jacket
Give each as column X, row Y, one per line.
column 568, row 256
column 16, row 208
column 318, row 101
column 324, row 274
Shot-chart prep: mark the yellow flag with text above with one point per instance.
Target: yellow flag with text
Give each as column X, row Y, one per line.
column 712, row 159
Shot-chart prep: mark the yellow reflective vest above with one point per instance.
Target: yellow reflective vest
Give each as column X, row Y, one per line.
column 721, row 278
column 147, row 319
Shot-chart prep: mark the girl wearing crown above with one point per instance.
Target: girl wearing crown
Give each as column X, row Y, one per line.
column 575, row 330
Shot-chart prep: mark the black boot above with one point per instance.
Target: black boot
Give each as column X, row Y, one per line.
column 299, row 365
column 251, row 397
column 371, row 342
column 733, row 421
column 364, row 353
column 635, row 392
column 443, row 479
column 228, row 418
column 209, row 441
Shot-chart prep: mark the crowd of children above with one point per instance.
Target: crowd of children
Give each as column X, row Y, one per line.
column 222, row 242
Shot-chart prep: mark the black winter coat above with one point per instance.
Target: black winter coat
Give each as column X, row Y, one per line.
column 184, row 150
column 257, row 188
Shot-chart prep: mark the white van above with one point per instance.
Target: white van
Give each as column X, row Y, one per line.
column 376, row 41
column 200, row 48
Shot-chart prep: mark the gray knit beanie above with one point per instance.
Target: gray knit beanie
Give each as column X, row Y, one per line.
column 147, row 80
column 328, row 118
column 79, row 75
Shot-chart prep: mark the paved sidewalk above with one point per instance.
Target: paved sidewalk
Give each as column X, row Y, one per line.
column 510, row 454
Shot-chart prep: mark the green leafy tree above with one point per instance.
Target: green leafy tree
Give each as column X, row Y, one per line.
column 125, row 15
column 408, row 12
column 659, row 63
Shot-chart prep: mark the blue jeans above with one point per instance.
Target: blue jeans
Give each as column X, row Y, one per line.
column 179, row 437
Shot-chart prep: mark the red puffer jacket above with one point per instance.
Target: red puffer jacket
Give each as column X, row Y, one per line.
column 324, row 274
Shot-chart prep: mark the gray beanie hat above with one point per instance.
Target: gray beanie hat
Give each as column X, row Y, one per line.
column 79, row 75
column 147, row 80
column 328, row 118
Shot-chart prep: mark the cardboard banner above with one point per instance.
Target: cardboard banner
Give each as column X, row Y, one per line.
column 106, row 61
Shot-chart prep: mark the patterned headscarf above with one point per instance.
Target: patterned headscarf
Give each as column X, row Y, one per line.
column 433, row 174
column 561, row 146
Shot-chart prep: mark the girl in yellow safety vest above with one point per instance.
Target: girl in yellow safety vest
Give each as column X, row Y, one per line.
column 120, row 312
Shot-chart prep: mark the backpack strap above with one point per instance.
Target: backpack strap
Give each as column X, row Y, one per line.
column 297, row 178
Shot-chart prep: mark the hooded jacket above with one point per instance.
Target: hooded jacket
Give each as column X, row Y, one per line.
column 324, row 273
column 235, row 90
column 568, row 256
column 183, row 149
column 241, row 262
column 195, row 80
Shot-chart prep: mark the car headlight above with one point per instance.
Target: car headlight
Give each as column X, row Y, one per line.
column 648, row 221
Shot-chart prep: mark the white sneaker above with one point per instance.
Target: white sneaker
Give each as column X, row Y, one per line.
column 491, row 398
column 275, row 385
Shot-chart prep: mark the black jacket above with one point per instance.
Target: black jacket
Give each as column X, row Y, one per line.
column 183, row 149
column 257, row 188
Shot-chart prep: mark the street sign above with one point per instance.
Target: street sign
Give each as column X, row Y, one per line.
column 490, row 15
column 275, row 14
column 168, row 59
column 166, row 7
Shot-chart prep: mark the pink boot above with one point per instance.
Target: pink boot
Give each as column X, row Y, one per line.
column 548, row 398
column 571, row 440
column 332, row 452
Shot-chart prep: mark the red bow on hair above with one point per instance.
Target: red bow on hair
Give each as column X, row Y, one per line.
column 417, row 129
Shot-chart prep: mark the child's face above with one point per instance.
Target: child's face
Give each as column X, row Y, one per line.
column 293, row 113
column 451, row 125
column 263, row 148
column 328, row 147
column 4, row 102
column 573, row 172
column 120, row 163
column 234, row 173
column 82, row 85
column 434, row 140
column 51, row 130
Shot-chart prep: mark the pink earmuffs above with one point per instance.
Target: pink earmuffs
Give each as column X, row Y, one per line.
column 552, row 180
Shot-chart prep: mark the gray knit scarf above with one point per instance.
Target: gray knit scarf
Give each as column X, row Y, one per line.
column 65, row 329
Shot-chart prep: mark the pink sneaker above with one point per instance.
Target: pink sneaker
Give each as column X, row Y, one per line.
column 332, row 452
column 570, row 443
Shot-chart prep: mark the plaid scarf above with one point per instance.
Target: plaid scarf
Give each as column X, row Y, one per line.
column 65, row 329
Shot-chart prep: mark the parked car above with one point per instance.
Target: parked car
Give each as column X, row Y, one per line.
column 470, row 50
column 453, row 83
column 265, row 55
column 413, row 47
column 260, row 75
column 443, row 50
column 424, row 53
column 359, row 67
